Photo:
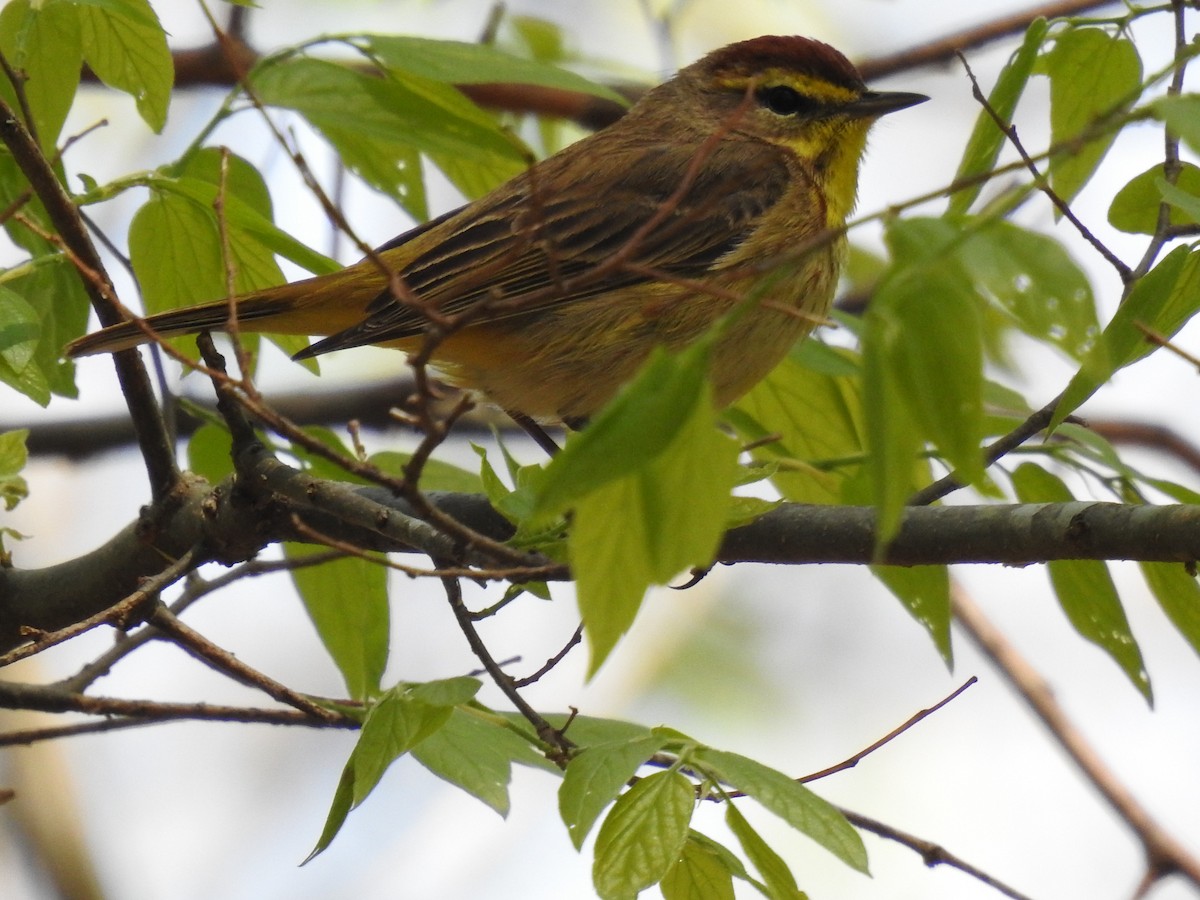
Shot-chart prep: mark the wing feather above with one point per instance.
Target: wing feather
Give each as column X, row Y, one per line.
column 514, row 249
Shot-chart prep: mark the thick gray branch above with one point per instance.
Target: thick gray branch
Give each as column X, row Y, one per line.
column 231, row 524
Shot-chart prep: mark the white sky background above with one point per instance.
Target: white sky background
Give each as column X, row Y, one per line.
column 800, row 667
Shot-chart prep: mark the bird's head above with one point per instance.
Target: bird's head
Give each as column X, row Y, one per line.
column 795, row 92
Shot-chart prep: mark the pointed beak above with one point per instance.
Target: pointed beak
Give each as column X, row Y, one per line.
column 880, row 103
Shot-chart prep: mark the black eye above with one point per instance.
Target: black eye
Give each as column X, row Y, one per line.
column 784, row 101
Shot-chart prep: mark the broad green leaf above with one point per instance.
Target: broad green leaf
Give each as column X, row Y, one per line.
column 925, row 593
column 893, row 437
column 1177, row 593
column 446, row 691
column 247, row 221
column 347, row 601
column 1180, row 200
column 1032, row 279
column 646, row 417
column 819, row 420
column 436, row 475
column 647, row 526
column 208, row 453
column 1135, row 208
column 175, row 253
column 477, row 756
column 595, row 776
column 52, row 288
column 43, row 43
column 923, row 372
column 1182, row 116
column 698, row 874
column 394, row 725
column 20, row 330
column 458, row 62
column 377, row 123
column 1092, row 74
column 588, row 730
column 788, row 799
column 13, row 457
column 1084, row 587
column 642, row 835
column 126, row 47
column 984, row 145
column 1163, row 300
column 780, row 883
column 339, row 809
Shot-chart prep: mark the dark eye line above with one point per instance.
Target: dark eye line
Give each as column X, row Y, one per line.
column 787, row 101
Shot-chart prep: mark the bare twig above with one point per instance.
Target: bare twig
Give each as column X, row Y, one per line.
column 1164, row 854
column 887, row 738
column 1042, row 182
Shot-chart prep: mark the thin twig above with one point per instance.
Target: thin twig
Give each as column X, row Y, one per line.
column 1040, row 180
column 1164, row 854
column 887, row 738
column 558, row 746
column 552, row 661
column 196, row 645
column 120, row 614
column 932, row 854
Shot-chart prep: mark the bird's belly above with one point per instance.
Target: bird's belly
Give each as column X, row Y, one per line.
column 569, row 361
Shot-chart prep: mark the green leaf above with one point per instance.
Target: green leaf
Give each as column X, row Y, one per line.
column 1092, row 74
column 175, row 252
column 925, row 593
column 788, row 799
column 1163, row 300
column 339, row 809
column 781, row 884
column 923, row 371
column 20, row 330
column 246, row 220
column 588, row 730
column 52, row 288
column 1032, row 279
column 126, row 47
column 1177, row 593
column 1182, row 116
column 1135, row 208
column 595, row 776
column 818, row 418
column 377, row 124
column 13, row 457
column 209, row 453
column 436, row 475
column 646, row 527
column 649, row 481
column 20, row 333
column 476, row 755
column 447, row 691
column 394, row 725
column 700, row 873
column 1180, row 200
column 643, row 835
column 986, row 141
column 458, row 62
column 643, row 420
column 1084, row 587
column 44, row 44
column 348, row 603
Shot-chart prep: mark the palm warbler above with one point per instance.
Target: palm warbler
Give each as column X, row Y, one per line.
column 547, row 294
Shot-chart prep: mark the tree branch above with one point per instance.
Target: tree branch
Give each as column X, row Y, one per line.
column 157, row 449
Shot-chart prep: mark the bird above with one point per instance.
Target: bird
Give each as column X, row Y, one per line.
column 547, row 294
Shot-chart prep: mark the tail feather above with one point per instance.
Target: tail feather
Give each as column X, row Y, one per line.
column 209, row 317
